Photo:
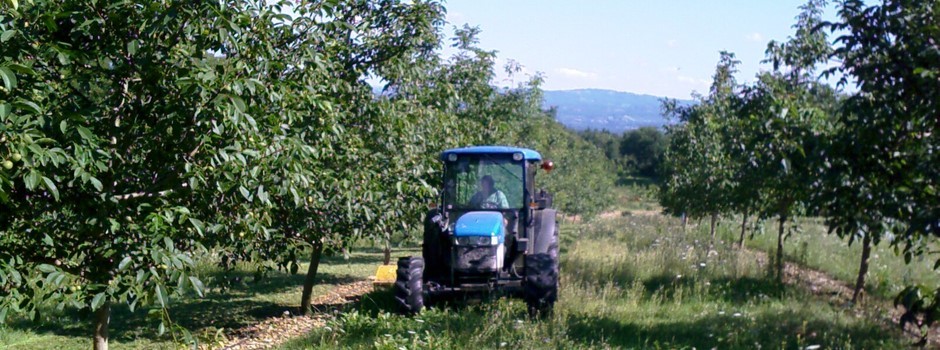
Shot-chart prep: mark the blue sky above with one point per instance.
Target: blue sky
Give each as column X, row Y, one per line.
column 661, row 48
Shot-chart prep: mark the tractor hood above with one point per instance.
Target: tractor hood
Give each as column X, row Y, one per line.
column 480, row 223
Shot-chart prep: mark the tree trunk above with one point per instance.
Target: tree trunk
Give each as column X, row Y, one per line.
column 862, row 269
column 783, row 220
column 307, row 296
column 743, row 230
column 102, row 320
column 685, row 221
column 714, row 222
column 387, row 259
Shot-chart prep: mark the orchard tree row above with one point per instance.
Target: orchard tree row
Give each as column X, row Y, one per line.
column 138, row 137
column 866, row 158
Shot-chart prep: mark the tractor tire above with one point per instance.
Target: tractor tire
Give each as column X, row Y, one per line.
column 409, row 289
column 541, row 283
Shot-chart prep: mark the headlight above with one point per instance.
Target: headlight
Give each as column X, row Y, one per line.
column 476, row 241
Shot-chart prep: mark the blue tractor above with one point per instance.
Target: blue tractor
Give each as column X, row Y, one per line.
column 493, row 232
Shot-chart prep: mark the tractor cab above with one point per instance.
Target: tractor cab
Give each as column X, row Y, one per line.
column 498, row 180
column 492, row 231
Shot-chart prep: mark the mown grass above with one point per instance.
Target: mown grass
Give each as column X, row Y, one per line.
column 628, row 282
column 249, row 300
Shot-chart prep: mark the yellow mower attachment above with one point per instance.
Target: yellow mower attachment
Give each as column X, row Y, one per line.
column 384, row 275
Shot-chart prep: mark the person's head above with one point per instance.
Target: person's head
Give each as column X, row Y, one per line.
column 487, row 184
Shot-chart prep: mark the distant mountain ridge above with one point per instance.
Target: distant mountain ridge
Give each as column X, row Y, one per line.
column 615, row 111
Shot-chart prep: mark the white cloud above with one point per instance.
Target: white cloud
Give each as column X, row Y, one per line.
column 672, row 43
column 755, row 37
column 578, row 74
column 692, row 80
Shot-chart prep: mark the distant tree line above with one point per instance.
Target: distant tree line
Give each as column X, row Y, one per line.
column 637, row 152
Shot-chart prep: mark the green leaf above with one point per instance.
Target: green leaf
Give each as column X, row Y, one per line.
column 97, row 301
column 9, row 79
column 161, row 295
column 197, row 285
column 85, row 133
column 244, row 192
column 32, row 180
column 5, row 110
column 29, row 106
column 97, row 183
column 132, row 47
column 51, row 187
column 46, row 268
column 239, row 104
column 7, row 35
column 19, row 68
column 15, row 3
column 199, row 225
column 124, row 262
column 64, row 58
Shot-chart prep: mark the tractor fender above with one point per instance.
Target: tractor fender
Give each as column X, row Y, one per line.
column 544, row 230
column 434, row 246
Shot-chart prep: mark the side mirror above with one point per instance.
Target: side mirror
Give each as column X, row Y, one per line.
column 548, row 165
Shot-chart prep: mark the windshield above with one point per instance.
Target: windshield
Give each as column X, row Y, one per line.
column 484, row 182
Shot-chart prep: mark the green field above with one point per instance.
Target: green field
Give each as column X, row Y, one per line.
column 631, row 280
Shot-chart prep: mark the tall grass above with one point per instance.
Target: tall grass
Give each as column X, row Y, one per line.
column 809, row 245
column 627, row 282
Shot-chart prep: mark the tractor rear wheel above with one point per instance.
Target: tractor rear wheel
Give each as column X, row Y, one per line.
column 541, row 283
column 409, row 290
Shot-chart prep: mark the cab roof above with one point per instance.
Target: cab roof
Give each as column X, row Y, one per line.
column 527, row 154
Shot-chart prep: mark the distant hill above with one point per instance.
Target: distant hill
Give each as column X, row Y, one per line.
column 605, row 109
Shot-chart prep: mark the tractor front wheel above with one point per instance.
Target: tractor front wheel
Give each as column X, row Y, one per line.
column 409, row 292
column 541, row 283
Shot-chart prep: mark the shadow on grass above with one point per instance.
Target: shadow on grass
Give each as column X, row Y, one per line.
column 232, row 308
column 733, row 290
column 382, row 300
column 464, row 327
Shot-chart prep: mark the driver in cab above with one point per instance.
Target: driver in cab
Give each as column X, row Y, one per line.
column 488, row 197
